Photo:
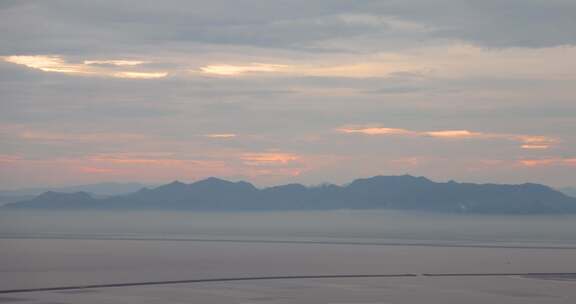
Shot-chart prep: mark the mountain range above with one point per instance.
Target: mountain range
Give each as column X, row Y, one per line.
column 109, row 188
column 404, row 192
column 97, row 190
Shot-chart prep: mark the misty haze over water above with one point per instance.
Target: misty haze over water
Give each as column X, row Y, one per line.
column 44, row 249
column 352, row 225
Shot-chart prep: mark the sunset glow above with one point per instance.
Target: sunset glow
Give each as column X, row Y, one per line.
column 235, row 70
column 115, row 62
column 140, row 75
column 268, row 158
column 377, row 131
column 453, row 134
column 530, row 142
column 221, row 135
column 58, row 64
column 322, row 91
column 548, row 162
column 46, row 64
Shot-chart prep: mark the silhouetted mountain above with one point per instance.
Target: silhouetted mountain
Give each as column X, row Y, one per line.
column 58, row 200
column 207, row 194
column 7, row 199
column 100, row 189
column 380, row 192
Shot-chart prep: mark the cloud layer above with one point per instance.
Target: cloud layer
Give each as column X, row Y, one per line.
column 281, row 91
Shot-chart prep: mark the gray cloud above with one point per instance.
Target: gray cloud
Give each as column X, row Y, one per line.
column 101, row 27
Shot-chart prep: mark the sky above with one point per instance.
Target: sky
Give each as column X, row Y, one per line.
column 287, row 91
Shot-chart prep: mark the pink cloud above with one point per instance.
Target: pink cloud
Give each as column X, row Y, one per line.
column 268, row 158
column 535, row 147
column 126, row 160
column 457, row 134
column 8, row 158
column 408, row 161
column 96, row 170
column 526, row 141
column 274, row 172
column 221, row 135
column 153, row 167
column 77, row 137
column 547, row 162
column 376, row 131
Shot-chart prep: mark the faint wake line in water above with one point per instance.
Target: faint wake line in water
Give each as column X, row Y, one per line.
column 319, row 242
column 540, row 275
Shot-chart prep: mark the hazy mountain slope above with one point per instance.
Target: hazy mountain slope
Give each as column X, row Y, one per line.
column 570, row 191
column 98, row 189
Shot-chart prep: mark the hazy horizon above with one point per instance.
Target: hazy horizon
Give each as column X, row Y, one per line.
column 257, row 185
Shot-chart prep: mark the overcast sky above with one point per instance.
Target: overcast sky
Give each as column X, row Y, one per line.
column 284, row 91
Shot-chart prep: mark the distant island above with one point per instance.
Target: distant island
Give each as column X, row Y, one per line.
column 404, row 192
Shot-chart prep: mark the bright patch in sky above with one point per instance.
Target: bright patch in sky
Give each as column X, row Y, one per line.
column 115, row 62
column 140, row 75
column 86, row 68
column 268, row 158
column 527, row 141
column 221, row 135
column 547, row 162
column 235, row 70
column 453, row 134
column 46, row 63
column 376, row 131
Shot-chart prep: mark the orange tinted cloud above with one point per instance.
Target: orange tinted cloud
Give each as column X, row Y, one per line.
column 115, row 62
column 275, row 172
column 408, row 161
column 536, row 162
column 96, row 170
column 526, row 141
column 143, row 161
column 150, row 159
column 268, row 158
column 35, row 135
column 221, row 135
column 253, row 164
column 139, row 75
column 377, row 131
column 236, row 70
column 453, row 134
column 47, row 64
column 547, row 162
column 151, row 166
column 7, row 158
column 58, row 64
column 536, row 142
column 535, row 147
column 268, row 167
